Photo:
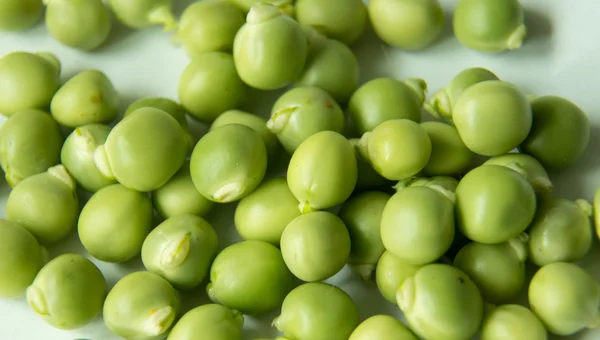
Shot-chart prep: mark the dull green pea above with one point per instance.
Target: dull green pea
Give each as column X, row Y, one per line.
column 46, row 204
column 382, row 327
column 30, row 142
column 560, row 132
column 322, row 172
column 441, row 302
column 343, row 20
column 300, row 113
column 444, row 182
column 575, row 298
column 87, row 98
column 317, row 311
column 250, row 277
column 489, row 25
column 68, row 292
column 115, row 216
column 20, row 15
column 212, row 321
column 512, row 322
column 384, row 99
column 142, row 305
column 449, row 155
column 561, row 231
column 285, row 6
column 139, row 14
column 391, row 271
column 368, row 178
column 261, row 49
column 536, row 174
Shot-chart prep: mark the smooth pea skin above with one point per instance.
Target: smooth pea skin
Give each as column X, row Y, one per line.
column 560, row 132
column 302, row 112
column 30, row 142
column 391, row 272
column 407, row 24
column 368, row 178
column 22, row 258
column 447, row 185
column 512, row 322
column 492, row 117
column 317, row 311
column 382, row 327
column 561, row 231
column 115, row 216
column 45, row 204
column 20, row 15
column 285, row 6
column 211, row 321
column 140, row 14
column 536, row 174
column 250, row 277
column 28, row 80
column 322, row 172
column 261, row 49
column 575, row 298
column 142, row 305
column 342, row 20
column 441, row 302
column 68, row 292
column 449, row 155
column 494, row 204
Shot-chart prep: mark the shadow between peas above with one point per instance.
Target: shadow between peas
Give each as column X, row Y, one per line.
column 180, row 5
column 373, row 56
column 118, row 35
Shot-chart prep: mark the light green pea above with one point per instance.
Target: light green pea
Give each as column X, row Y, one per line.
column 211, row 321
column 449, row 155
column 343, row 20
column 285, row 6
column 512, row 322
column 322, row 172
column 115, row 216
column 169, row 106
column 68, row 292
column 300, row 113
column 446, row 183
column 142, row 305
column 20, row 15
column 536, row 174
column 30, row 142
column 368, row 178
column 140, row 14
column 382, row 327
column 46, row 204
column 391, row 272
column 317, row 311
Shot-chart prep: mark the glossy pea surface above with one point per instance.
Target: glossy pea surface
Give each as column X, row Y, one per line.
column 382, row 327
column 343, row 20
column 213, row 321
column 512, row 321
column 534, row 170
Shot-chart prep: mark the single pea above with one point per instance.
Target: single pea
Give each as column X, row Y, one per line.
column 144, row 150
column 391, row 272
column 285, row 6
column 447, row 183
column 449, row 155
column 29, row 81
column 22, row 258
column 492, row 117
column 30, row 142
column 171, row 107
column 46, row 204
column 250, row 277
column 382, row 327
column 140, row 14
column 489, row 25
column 575, row 298
column 210, row 321
column 322, row 172
column 20, row 15
column 301, row 112
column 384, row 99
column 561, row 231
column 261, row 49
column 494, row 204
column 512, row 322
column 142, row 305
column 115, row 216
column 68, row 292
column 228, row 163
column 536, row 174
column 343, row 20
column 367, row 177
column 441, row 302
column 317, row 311
column 560, row 132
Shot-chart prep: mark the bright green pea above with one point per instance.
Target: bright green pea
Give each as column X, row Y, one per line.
column 391, row 271
column 536, row 174
column 317, row 311
column 68, row 292
column 343, row 20
column 46, row 204
column 512, row 322
column 140, row 14
column 449, row 155
column 115, row 216
column 382, row 327
column 169, row 106
column 285, row 6
column 210, row 321
column 20, row 15
column 368, row 178
column 250, row 277
column 142, row 305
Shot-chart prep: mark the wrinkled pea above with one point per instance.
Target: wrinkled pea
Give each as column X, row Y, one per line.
column 140, row 14
column 536, row 174
column 212, row 321
column 343, row 20
column 391, row 272
column 382, row 327
column 512, row 322
column 449, row 155
column 285, row 6
column 20, row 15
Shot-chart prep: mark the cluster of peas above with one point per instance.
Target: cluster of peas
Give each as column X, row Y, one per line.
column 443, row 249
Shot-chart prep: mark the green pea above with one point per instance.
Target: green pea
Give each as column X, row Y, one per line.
column 300, row 113
column 448, row 184
column 115, row 216
column 174, row 109
column 441, row 302
column 22, row 258
column 536, row 174
column 449, row 155
column 228, row 163
column 20, row 15
column 596, row 212
column 560, row 132
column 492, row 117
column 382, row 327
column 384, row 99
column 575, row 298
column 30, row 142
column 29, row 81
column 368, row 178
column 322, row 172
column 561, row 231
column 68, row 292
column 250, row 277
column 212, row 321
column 494, row 204
column 489, row 25
column 261, row 49
column 142, row 305
column 140, row 14
column 343, row 20
column 317, row 311
column 46, row 204
column 391, row 272
column 512, row 322
column 285, row 6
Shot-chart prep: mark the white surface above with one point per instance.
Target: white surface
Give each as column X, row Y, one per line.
column 560, row 57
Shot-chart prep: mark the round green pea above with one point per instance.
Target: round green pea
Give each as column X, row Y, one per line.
column 445, row 184
column 342, row 20
column 68, row 292
column 390, row 273
column 20, row 15
column 285, row 6
column 512, row 322
column 382, row 327
column 212, row 321
column 449, row 155
column 174, row 109
column 368, row 178
column 536, row 174
column 115, row 216
column 140, row 14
